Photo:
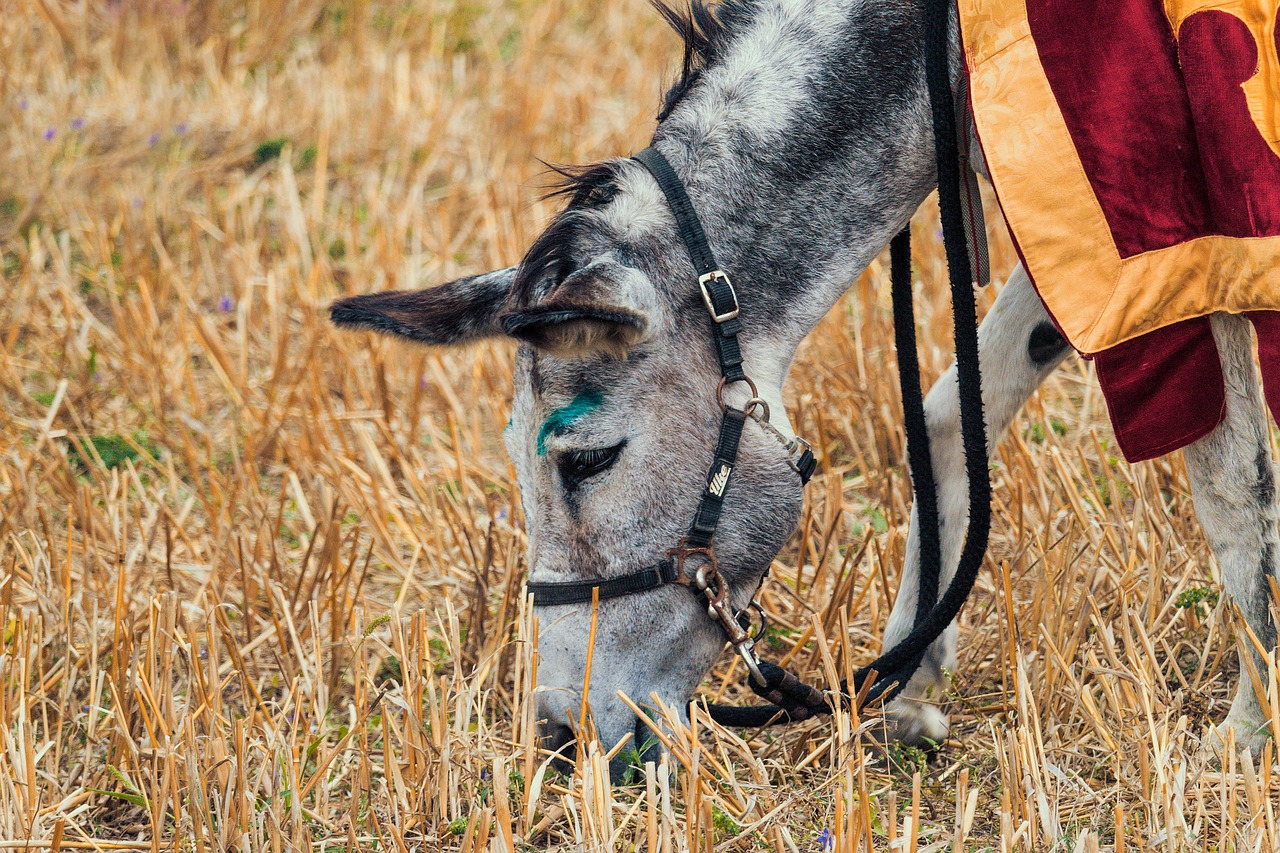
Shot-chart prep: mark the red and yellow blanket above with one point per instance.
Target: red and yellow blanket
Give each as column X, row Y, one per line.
column 1135, row 149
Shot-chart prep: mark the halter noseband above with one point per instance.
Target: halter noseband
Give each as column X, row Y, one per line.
column 696, row 551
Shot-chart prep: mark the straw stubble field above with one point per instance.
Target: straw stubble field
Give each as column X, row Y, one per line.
column 260, row 580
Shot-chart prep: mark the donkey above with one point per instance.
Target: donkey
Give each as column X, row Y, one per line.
column 801, row 130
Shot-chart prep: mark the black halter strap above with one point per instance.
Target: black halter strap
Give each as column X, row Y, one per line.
column 722, row 304
column 578, row 592
column 717, row 291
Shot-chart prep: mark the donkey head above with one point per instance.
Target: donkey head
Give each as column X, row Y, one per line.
column 799, row 130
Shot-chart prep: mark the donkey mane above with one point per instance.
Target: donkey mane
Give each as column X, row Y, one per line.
column 797, row 92
column 586, row 188
column 705, row 33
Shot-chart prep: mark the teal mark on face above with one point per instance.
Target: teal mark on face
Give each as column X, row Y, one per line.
column 562, row 419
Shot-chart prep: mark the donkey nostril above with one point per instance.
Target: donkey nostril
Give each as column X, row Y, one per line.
column 558, row 738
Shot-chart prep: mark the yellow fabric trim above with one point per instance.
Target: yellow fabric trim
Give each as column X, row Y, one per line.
column 1098, row 299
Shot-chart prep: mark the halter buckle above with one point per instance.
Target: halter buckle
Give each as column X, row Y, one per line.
column 716, row 315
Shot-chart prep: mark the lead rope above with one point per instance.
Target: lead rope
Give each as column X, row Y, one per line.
column 884, row 678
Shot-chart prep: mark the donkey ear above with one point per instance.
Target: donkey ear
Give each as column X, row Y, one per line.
column 602, row 309
column 455, row 313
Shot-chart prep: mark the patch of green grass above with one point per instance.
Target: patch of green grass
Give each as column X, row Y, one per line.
column 908, row 758
column 778, row 637
column 113, row 449
column 1036, row 433
column 389, row 671
column 1196, row 598
column 269, row 150
column 510, row 45
column 724, row 823
column 635, row 760
column 878, row 521
column 133, row 794
column 308, row 157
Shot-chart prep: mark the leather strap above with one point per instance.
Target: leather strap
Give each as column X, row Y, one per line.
column 577, row 592
column 717, row 290
column 710, row 505
column 695, row 239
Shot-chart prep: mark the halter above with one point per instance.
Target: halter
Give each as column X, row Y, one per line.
column 885, row 677
column 693, row 563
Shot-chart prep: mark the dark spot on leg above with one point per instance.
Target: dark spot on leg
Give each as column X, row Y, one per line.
column 1262, row 623
column 1046, row 344
column 1264, row 488
column 1264, row 493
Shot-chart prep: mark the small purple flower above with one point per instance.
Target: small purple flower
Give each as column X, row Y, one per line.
column 826, row 840
column 502, row 515
column 153, row 139
column 181, row 129
column 77, row 124
column 22, row 103
column 422, row 384
column 225, row 305
column 50, row 133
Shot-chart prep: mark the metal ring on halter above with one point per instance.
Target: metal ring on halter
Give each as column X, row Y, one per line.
column 700, row 578
column 757, row 403
column 724, row 383
column 764, row 621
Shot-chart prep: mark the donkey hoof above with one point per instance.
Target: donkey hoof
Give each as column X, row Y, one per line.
column 1248, row 736
column 915, row 723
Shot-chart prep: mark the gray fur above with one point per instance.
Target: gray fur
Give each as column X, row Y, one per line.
column 801, row 131
column 1233, row 485
column 455, row 313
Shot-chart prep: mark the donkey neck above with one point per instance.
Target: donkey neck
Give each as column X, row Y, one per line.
column 805, row 146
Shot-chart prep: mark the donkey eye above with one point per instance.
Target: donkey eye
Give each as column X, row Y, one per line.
column 578, row 465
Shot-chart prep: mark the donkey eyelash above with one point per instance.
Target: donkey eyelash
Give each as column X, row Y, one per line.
column 579, row 465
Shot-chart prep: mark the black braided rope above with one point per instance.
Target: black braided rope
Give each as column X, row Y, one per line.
column 789, row 698
column 900, row 663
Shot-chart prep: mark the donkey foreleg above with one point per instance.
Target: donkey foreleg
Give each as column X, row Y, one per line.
column 1018, row 347
column 1234, row 488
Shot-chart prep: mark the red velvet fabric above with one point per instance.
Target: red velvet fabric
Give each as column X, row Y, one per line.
column 1164, row 134
column 1267, row 325
column 1164, row 390
column 1242, row 172
column 1113, row 68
